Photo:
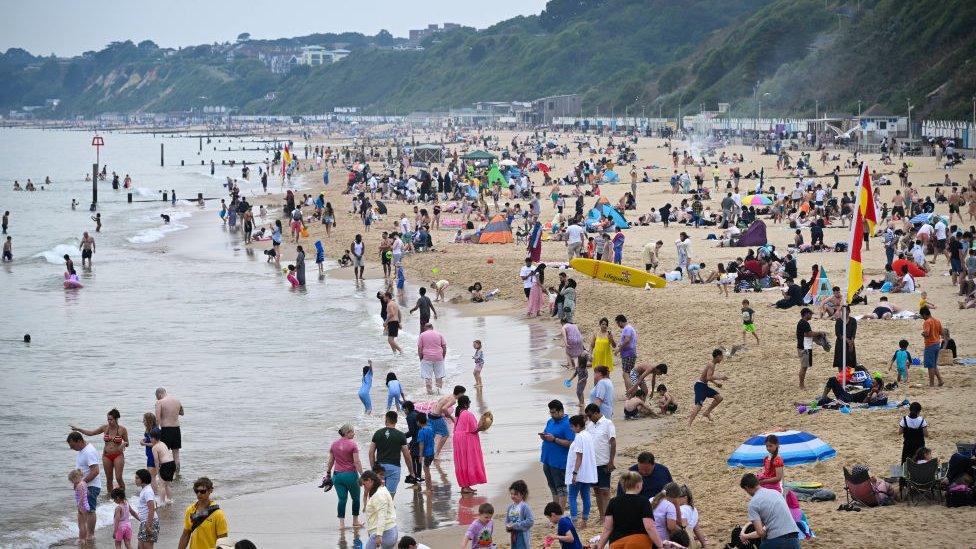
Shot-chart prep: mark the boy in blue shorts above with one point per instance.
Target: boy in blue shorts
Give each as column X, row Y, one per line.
column 425, row 442
column 703, row 392
column 902, row 358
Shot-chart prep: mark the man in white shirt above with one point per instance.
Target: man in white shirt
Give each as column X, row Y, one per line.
column 604, row 451
column 574, row 240
column 87, row 461
column 404, row 224
column 525, row 273
column 918, row 254
column 940, row 240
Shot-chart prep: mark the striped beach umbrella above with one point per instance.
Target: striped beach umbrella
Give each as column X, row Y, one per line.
column 795, row 447
column 756, row 200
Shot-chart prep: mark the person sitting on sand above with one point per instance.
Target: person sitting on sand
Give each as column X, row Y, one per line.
column 477, row 296
column 665, row 402
column 832, row 305
column 345, row 260
column 635, row 406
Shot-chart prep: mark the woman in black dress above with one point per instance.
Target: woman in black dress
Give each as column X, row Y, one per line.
column 840, row 342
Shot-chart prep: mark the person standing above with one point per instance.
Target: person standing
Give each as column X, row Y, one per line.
column 525, row 273
column 683, row 246
column 580, row 469
column 913, row 429
column 627, row 349
column 602, row 393
column 87, row 462
column 770, row 516
column 932, row 337
column 6, row 221
column 381, row 520
column 804, row 342
column 386, row 448
column 604, row 436
column 425, row 306
column 556, row 439
column 431, row 348
column 300, row 266
column 116, row 439
column 344, row 460
column 168, row 412
column 358, row 249
column 87, row 249
column 392, row 323
column 203, row 521
column 845, row 340
column 574, row 240
column 469, row 463
column 537, row 292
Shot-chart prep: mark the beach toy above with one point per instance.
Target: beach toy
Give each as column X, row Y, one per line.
column 548, row 541
column 916, row 361
column 435, row 270
column 568, row 383
column 491, row 260
column 845, row 409
column 801, row 409
column 486, row 421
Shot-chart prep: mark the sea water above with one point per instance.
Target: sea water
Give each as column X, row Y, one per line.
column 265, row 373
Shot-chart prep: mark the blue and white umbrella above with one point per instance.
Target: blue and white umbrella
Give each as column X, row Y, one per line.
column 795, row 447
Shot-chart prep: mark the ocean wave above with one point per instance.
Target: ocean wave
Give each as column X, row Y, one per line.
column 66, row 529
column 55, row 255
column 142, row 191
column 154, row 234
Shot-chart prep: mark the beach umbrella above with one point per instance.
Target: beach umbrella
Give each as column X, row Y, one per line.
column 508, row 162
column 542, row 166
column 795, row 447
column 756, row 200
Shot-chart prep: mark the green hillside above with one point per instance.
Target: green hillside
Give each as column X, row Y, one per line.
column 625, row 55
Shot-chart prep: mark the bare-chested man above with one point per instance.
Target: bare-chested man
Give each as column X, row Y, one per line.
column 392, row 323
column 168, row 412
column 440, row 413
column 87, row 249
column 703, row 392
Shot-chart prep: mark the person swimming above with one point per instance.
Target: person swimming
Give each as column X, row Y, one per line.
column 165, row 218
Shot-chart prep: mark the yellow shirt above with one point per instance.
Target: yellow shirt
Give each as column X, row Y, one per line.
column 205, row 536
column 380, row 512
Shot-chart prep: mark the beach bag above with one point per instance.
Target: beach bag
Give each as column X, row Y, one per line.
column 945, row 357
column 304, row 232
column 886, row 287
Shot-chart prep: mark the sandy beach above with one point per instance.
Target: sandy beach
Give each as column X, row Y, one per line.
column 678, row 325
column 681, row 324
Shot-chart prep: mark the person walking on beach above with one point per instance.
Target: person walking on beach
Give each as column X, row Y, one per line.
column 525, row 273
column 87, row 463
column 604, row 436
column 87, row 249
column 203, row 521
column 425, row 306
column 703, row 392
column 392, row 323
column 116, row 439
column 431, row 349
column 344, row 461
column 627, row 349
column 469, row 463
column 300, row 266
column 168, row 412
column 145, row 511
column 602, row 344
column 537, row 292
column 358, row 249
column 388, row 445
column 932, row 338
column 442, row 411
column 381, row 520
column 556, row 439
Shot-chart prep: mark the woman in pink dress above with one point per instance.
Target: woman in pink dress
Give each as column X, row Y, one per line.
column 469, row 465
column 536, row 294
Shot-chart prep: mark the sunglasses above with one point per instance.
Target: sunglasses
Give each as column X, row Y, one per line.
column 201, row 490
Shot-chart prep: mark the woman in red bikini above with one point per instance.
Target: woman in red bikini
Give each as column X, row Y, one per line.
column 116, row 439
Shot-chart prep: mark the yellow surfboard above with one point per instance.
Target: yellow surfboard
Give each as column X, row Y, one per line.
column 617, row 274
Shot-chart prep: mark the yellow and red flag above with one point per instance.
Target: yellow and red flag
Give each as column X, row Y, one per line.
column 864, row 222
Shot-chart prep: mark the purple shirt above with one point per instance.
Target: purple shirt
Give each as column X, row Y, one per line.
column 630, row 350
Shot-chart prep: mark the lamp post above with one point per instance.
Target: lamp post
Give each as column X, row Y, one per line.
column 910, row 107
column 859, row 108
column 760, row 103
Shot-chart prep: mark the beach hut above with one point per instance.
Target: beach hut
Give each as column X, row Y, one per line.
column 755, row 235
column 428, row 153
column 604, row 208
column 497, row 231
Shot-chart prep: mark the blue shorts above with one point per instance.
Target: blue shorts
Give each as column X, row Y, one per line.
column 702, row 392
column 931, row 355
column 439, row 426
column 93, row 492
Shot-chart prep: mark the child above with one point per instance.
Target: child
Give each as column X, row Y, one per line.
column 565, row 531
column 704, row 392
column 689, row 517
column 365, row 386
column 146, row 511
column 292, row 278
column 401, row 279
column 518, row 518
column 590, row 248
column 150, row 423
column 665, row 401
column 163, row 457
column 425, row 441
column 747, row 322
column 902, row 358
column 479, row 534
column 122, row 526
column 320, row 256
column 924, row 302
column 81, row 503
column 439, row 286
column 345, row 260
column 479, row 362
column 771, row 476
column 394, row 392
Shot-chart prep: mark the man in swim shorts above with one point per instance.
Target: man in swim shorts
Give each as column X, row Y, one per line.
column 431, row 349
column 703, row 392
column 392, row 323
column 168, row 412
column 439, row 413
column 87, row 249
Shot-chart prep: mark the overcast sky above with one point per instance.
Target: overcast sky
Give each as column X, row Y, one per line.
column 70, row 27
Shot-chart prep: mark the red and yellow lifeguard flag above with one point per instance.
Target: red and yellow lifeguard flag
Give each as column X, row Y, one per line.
column 285, row 160
column 864, row 221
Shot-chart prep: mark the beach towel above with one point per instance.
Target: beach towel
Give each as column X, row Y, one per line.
column 968, row 361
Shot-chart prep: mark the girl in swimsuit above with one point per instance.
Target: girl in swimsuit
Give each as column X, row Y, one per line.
column 365, row 387
column 149, row 422
column 116, row 439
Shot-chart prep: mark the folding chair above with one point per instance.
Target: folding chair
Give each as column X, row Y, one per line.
column 921, row 480
column 858, row 488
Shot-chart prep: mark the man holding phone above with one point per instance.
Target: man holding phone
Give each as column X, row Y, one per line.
column 556, row 439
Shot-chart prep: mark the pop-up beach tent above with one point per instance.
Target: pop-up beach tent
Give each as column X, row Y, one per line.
column 755, row 235
column 604, row 208
column 497, row 231
column 428, row 153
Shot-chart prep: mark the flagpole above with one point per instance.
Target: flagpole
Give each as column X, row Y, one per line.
column 857, row 230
